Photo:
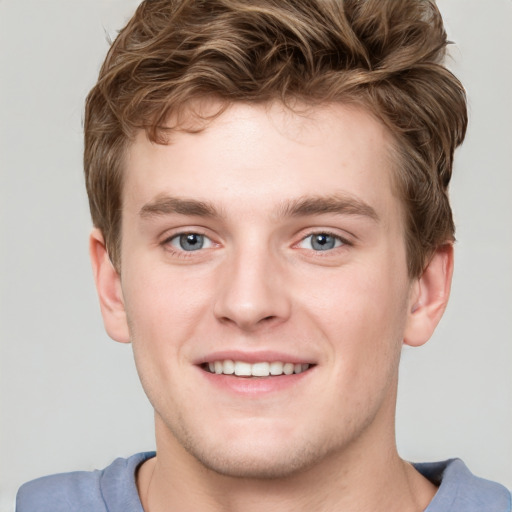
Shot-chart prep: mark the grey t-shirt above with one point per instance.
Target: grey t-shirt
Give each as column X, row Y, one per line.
column 113, row 489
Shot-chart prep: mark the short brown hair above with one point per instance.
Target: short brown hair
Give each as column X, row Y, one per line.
column 386, row 55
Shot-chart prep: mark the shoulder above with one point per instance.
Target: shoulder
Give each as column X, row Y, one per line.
column 460, row 490
column 107, row 490
column 69, row 491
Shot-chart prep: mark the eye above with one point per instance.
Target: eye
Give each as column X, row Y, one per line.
column 190, row 242
column 321, row 242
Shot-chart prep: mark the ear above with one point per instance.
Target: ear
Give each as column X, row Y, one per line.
column 429, row 297
column 108, row 286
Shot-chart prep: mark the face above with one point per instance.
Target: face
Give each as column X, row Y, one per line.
column 265, row 286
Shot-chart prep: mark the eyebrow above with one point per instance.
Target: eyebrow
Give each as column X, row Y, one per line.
column 301, row 207
column 166, row 205
column 337, row 204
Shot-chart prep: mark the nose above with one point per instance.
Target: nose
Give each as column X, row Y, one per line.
column 252, row 291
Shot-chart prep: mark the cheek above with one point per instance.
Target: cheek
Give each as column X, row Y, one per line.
column 363, row 315
column 164, row 308
column 163, row 315
column 156, row 290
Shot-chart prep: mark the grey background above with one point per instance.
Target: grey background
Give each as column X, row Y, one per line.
column 70, row 398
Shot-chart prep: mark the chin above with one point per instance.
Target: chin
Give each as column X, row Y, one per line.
column 256, row 454
column 257, row 463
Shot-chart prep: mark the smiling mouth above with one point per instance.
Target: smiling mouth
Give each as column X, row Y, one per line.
column 261, row 369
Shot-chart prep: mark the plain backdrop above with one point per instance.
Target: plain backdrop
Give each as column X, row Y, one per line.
column 70, row 397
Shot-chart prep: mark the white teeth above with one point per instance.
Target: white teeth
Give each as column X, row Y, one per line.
column 276, row 368
column 262, row 369
column 243, row 369
column 288, row 368
column 229, row 367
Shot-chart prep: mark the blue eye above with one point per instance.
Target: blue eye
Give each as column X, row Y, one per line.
column 321, row 242
column 190, row 242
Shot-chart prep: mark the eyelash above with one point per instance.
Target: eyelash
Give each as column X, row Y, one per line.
column 182, row 253
column 343, row 242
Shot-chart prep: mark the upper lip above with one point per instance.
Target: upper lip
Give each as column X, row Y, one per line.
column 254, row 357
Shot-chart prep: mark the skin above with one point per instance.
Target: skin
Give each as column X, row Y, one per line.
column 258, row 182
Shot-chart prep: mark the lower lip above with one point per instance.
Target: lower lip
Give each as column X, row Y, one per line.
column 255, row 385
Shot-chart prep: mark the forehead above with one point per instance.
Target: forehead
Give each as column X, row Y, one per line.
column 263, row 154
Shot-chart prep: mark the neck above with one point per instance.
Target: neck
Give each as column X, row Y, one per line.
column 367, row 476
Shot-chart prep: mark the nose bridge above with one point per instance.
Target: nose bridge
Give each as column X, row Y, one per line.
column 251, row 291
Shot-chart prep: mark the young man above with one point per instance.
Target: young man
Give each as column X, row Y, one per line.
column 268, row 184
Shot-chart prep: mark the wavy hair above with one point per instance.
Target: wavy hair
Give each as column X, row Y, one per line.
column 384, row 55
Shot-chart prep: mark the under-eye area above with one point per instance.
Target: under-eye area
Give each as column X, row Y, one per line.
column 260, row 369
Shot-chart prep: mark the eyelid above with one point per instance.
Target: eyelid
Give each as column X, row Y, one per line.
column 345, row 241
column 177, row 237
column 174, row 234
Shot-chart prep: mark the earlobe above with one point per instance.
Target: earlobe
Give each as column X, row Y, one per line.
column 108, row 286
column 429, row 297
